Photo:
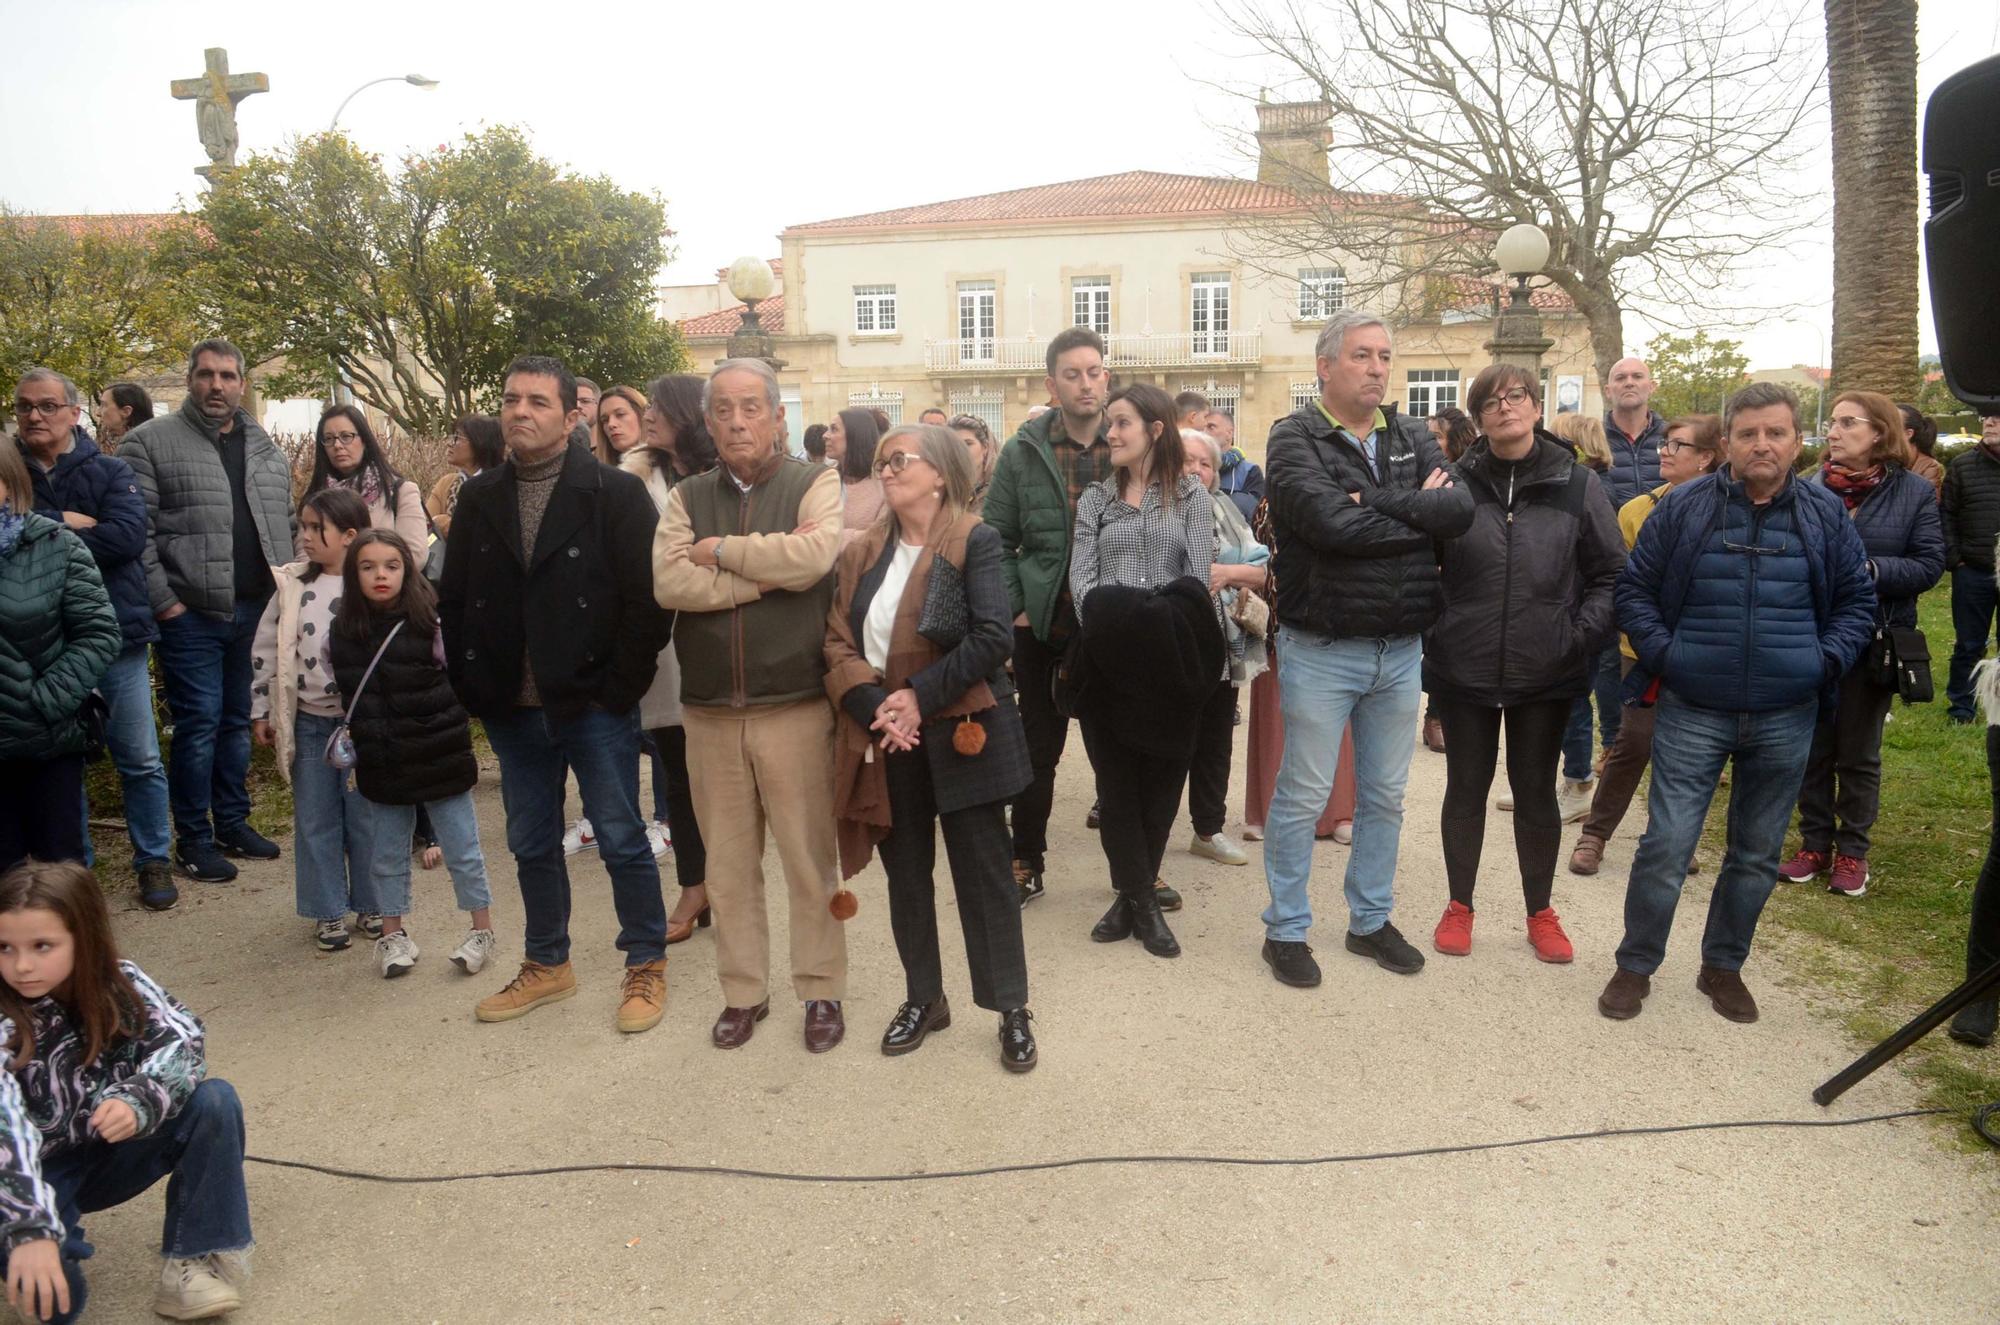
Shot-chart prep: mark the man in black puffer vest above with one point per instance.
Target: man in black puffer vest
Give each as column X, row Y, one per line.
column 1358, row 496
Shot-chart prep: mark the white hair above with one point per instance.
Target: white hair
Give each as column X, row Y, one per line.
column 1189, row 436
column 1333, row 336
column 754, row 366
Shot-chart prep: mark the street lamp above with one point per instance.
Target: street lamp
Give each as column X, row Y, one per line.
column 751, row 281
column 1520, row 252
column 414, row 80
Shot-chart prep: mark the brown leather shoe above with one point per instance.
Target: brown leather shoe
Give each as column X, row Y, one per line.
column 1434, row 735
column 734, row 1026
column 1623, row 997
column 824, row 1026
column 680, row 931
column 642, row 998
column 1727, row 993
column 1589, row 854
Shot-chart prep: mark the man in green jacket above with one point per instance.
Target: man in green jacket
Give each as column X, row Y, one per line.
column 1031, row 504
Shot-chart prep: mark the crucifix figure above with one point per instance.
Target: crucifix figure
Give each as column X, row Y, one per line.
column 215, row 95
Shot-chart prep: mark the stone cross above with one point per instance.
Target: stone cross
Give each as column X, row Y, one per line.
column 215, row 95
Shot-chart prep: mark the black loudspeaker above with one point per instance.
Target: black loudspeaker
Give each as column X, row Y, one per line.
column 1962, row 237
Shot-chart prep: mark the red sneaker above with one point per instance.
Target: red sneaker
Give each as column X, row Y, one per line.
column 1545, row 931
column 1454, row 933
column 1804, row 867
column 1850, row 877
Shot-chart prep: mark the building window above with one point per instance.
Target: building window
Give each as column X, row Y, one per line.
column 977, row 316
column 1208, row 319
column 1322, row 292
column 1090, row 303
column 874, row 308
column 1430, row 390
column 1224, row 398
column 889, row 402
column 982, row 403
column 1304, row 394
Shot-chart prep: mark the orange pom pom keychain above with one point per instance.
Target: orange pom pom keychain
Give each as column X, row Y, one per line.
column 843, row 905
column 968, row 738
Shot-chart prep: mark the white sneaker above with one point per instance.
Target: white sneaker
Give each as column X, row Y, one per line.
column 395, row 954
column 472, row 954
column 579, row 838
column 658, row 838
column 1573, row 799
column 193, row 1290
column 1218, row 849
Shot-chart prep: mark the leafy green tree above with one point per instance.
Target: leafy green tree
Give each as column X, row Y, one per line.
column 87, row 297
column 417, row 288
column 1696, row 374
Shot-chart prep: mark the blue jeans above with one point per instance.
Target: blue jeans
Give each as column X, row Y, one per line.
column 134, row 743
column 1323, row 685
column 457, row 827
column 602, row 749
column 1973, row 601
column 331, row 838
column 205, row 664
column 1606, row 677
column 1690, row 745
column 199, row 1151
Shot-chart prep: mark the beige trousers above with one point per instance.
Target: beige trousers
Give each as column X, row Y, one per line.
column 750, row 767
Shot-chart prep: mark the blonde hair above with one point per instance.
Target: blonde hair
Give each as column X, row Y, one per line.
column 1586, row 433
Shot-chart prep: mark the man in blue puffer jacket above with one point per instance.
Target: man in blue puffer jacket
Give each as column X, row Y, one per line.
column 97, row 497
column 1747, row 597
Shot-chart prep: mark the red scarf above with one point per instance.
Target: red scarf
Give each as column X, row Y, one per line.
column 1853, row 487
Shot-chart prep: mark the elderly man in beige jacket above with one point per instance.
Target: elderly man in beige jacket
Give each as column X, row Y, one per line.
column 745, row 554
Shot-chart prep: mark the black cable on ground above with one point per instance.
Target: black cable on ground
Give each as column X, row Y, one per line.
column 1979, row 1123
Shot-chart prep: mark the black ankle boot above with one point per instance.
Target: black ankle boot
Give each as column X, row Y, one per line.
column 1149, row 926
column 1974, row 1023
column 1116, row 925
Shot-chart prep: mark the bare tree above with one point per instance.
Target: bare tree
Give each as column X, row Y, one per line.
column 1651, row 139
column 1871, row 48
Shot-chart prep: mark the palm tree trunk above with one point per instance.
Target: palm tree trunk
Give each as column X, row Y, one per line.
column 1871, row 48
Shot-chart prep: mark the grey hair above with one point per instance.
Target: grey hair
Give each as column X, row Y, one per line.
column 755, row 366
column 942, row 451
column 1334, row 334
column 70, row 396
column 1190, row 435
column 1761, row 395
column 217, row 345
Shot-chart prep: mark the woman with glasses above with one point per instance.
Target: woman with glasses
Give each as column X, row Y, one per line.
column 978, row 438
column 1693, row 447
column 1527, row 610
column 1868, row 456
column 346, row 455
column 476, row 446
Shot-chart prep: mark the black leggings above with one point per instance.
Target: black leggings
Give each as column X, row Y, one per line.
column 1471, row 750
column 690, row 857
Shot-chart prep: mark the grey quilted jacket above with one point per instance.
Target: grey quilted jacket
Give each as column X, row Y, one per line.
column 177, row 459
column 57, row 636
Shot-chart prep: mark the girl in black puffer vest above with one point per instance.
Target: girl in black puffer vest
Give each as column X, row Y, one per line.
column 412, row 742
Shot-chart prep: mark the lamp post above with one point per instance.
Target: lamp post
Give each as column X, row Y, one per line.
column 1517, row 332
column 414, row 80
column 751, row 281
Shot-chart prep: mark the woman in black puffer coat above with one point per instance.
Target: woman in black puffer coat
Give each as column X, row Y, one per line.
column 412, row 741
column 1527, row 610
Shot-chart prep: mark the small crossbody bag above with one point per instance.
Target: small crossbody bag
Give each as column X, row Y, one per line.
column 340, row 745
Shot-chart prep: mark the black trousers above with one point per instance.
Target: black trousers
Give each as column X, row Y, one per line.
column 1047, row 732
column 989, row 905
column 1844, row 771
column 1208, row 774
column 41, row 809
column 1982, row 941
column 1138, row 796
column 1471, row 750
column 690, row 856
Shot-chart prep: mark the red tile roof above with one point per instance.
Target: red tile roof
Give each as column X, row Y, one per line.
column 122, row 223
column 1135, row 193
column 723, row 324
column 1476, row 293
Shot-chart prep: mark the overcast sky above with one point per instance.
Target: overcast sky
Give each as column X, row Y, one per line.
column 745, row 117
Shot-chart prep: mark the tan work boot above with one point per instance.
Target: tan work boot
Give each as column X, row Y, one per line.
column 642, row 1000
column 535, row 985
column 1587, row 856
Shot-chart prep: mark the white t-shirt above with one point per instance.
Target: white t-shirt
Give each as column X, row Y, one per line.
column 881, row 618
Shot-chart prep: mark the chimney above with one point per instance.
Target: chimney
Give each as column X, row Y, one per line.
column 1293, row 138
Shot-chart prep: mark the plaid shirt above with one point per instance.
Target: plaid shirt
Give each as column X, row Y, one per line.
column 1080, row 466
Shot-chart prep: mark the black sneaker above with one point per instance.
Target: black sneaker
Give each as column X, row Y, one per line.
column 1170, row 900
column 1017, row 1041
column 1389, row 949
column 201, row 862
column 1975, row 1023
column 1292, row 963
column 245, row 842
column 1029, row 881
column 1096, row 814
column 156, row 885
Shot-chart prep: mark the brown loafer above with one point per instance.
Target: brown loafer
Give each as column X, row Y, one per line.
column 1589, row 854
column 733, row 1028
column 824, row 1026
column 1625, row 995
column 1727, row 994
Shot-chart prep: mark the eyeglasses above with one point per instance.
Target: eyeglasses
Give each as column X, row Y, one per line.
column 1849, row 421
column 48, row 409
column 342, row 438
column 1515, row 398
column 1674, row 446
column 897, row 463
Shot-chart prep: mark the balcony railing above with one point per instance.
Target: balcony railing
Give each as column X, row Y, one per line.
column 1025, row 354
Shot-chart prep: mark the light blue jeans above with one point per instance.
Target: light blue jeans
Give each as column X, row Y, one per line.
column 133, row 741
column 457, row 827
column 1323, row 685
column 330, row 828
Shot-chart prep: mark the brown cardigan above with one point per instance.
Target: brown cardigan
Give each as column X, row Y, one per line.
column 860, row 780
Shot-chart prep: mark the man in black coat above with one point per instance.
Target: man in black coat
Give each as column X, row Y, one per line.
column 1971, row 510
column 551, row 636
column 1358, row 496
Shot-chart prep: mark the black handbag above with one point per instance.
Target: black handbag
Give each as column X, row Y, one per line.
column 1899, row 658
column 944, row 620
